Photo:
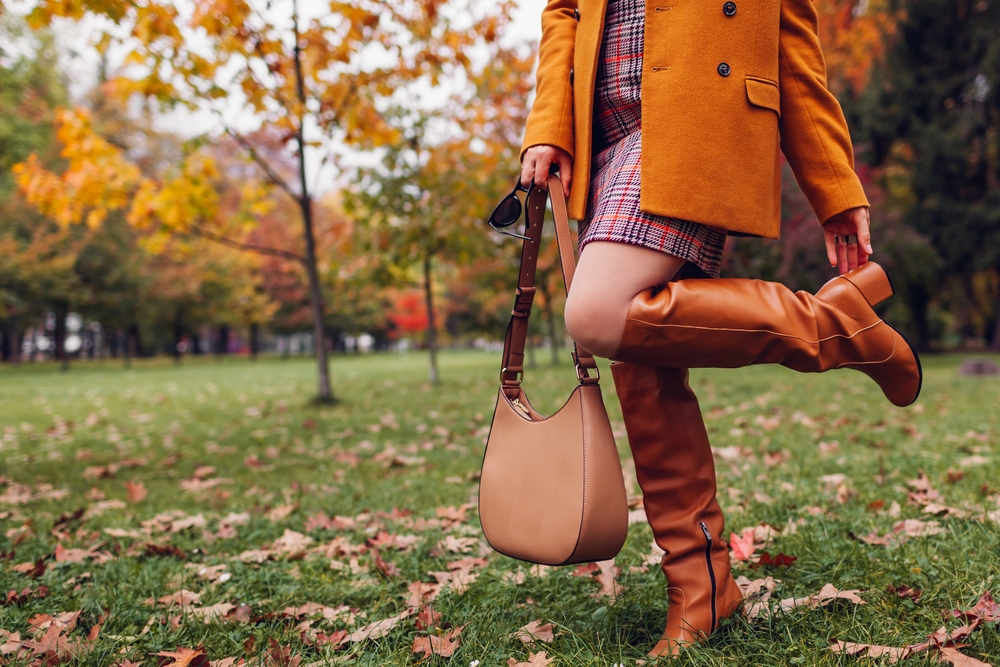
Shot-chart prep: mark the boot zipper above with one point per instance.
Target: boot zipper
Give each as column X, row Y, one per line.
column 711, row 570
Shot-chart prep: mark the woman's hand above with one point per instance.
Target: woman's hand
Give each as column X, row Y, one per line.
column 537, row 162
column 853, row 221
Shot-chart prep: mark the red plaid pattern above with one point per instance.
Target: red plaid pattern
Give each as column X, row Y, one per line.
column 614, row 213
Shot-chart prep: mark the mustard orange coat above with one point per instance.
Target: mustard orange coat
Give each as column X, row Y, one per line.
column 711, row 133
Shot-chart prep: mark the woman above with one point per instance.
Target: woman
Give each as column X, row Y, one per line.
column 667, row 117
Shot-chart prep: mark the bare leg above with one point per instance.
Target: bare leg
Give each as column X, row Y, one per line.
column 608, row 277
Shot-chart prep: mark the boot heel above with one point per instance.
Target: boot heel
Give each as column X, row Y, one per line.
column 872, row 281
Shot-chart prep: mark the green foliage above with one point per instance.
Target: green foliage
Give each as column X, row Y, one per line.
column 931, row 117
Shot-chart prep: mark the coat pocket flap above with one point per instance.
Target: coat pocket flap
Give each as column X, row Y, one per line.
column 764, row 93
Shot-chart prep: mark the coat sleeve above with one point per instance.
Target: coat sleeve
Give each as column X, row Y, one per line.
column 551, row 118
column 814, row 134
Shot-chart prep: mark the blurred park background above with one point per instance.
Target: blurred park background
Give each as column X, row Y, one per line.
column 234, row 177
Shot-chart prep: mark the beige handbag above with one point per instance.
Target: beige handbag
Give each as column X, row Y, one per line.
column 551, row 490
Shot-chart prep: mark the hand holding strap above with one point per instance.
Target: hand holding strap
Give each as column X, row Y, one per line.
column 512, row 369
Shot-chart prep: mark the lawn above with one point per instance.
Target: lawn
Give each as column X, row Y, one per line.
column 212, row 512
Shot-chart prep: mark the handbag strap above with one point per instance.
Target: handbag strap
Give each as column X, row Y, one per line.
column 512, row 369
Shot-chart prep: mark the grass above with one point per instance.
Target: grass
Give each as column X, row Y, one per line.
column 395, row 442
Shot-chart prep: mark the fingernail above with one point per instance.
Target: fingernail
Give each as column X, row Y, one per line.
column 868, row 249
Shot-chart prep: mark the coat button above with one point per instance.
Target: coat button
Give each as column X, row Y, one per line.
column 571, row 72
column 724, row 69
column 729, row 8
column 576, row 13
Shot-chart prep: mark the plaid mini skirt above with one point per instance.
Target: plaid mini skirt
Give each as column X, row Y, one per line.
column 613, row 212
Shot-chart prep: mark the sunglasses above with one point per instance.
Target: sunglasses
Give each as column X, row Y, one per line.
column 509, row 210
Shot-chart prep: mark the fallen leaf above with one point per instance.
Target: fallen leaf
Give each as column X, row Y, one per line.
column 985, row 610
column 444, row 646
column 136, row 491
column 182, row 598
column 213, row 612
column 958, row 659
column 534, row 660
column 377, row 629
column 186, row 657
column 607, row 577
column 756, row 595
column 742, row 545
column 536, row 631
column 905, row 592
column 780, row 560
column 893, row 653
column 427, row 618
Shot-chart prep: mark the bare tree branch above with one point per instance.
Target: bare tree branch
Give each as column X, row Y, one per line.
column 239, row 245
column 269, row 171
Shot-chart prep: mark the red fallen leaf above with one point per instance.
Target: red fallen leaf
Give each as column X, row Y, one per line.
column 241, row 614
column 443, row 646
column 742, row 545
column 586, row 570
column 335, row 638
column 53, row 645
column 185, row 657
column 388, row 569
column 309, row 424
column 31, row 570
column 281, row 656
column 252, row 462
column 15, row 598
column 985, row 609
column 66, row 518
column 421, row 593
column 905, row 592
column 427, row 618
column 319, row 521
column 876, row 506
column 136, row 491
column 153, row 549
column 780, row 560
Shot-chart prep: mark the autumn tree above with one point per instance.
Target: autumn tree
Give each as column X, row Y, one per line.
column 318, row 81
column 427, row 200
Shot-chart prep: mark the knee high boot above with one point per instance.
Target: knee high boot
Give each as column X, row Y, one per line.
column 734, row 322
column 675, row 468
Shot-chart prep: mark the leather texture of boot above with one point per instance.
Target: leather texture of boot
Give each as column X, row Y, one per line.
column 735, row 322
column 675, row 468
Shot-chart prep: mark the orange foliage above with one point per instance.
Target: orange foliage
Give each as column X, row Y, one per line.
column 853, row 34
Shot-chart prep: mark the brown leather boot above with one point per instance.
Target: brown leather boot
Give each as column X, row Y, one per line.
column 734, row 322
column 674, row 467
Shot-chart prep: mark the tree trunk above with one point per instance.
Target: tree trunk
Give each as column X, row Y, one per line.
column 305, row 203
column 995, row 343
column 60, row 335
column 7, row 338
column 431, row 324
column 222, row 343
column 195, row 338
column 137, row 338
column 178, row 339
column 127, row 347
column 254, row 341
